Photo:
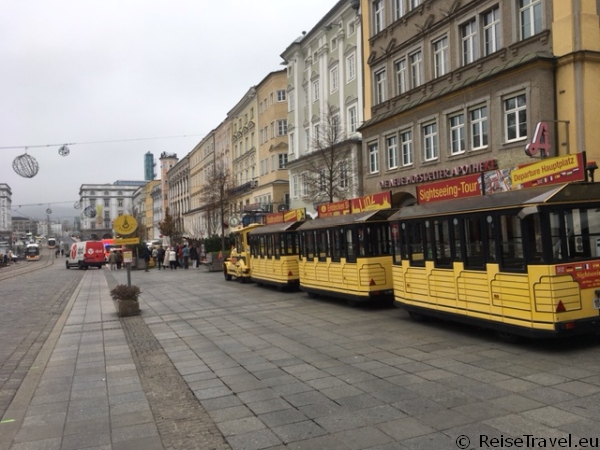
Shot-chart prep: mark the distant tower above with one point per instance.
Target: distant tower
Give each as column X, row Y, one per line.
column 149, row 164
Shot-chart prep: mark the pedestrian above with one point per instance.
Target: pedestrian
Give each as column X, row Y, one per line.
column 160, row 257
column 179, row 252
column 173, row 259
column 119, row 260
column 62, row 252
column 166, row 258
column 112, row 260
column 155, row 256
column 146, row 256
column 194, row 256
column 185, row 252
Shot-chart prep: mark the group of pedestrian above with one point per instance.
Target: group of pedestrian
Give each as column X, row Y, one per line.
column 115, row 260
column 174, row 257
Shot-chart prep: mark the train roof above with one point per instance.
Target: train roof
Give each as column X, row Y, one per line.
column 528, row 197
column 348, row 219
column 277, row 228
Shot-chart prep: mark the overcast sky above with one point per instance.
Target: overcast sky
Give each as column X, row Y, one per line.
column 84, row 71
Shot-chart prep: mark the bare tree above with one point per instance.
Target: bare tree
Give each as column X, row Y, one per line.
column 217, row 196
column 168, row 227
column 329, row 168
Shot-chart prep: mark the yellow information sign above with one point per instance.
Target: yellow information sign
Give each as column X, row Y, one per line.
column 125, row 224
column 127, row 241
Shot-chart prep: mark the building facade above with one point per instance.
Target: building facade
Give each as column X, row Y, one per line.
column 5, row 213
column 459, row 87
column 272, row 191
column 178, row 178
column 325, row 105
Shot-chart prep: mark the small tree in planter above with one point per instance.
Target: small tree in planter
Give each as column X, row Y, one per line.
column 126, row 300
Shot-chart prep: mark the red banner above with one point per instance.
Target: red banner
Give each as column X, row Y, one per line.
column 460, row 187
column 382, row 200
column 334, row 209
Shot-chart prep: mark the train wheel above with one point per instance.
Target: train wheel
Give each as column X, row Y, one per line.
column 67, row 265
column 227, row 276
column 507, row 337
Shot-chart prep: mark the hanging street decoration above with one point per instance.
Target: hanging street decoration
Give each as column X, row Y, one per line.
column 48, row 211
column 90, row 212
column 77, row 205
column 26, row 166
column 64, row 150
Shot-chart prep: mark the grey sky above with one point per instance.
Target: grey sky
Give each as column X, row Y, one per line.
column 79, row 71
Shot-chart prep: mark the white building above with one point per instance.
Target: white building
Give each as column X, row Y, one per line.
column 5, row 214
column 324, row 79
column 102, row 203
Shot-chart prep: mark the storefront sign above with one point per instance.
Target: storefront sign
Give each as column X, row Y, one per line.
column 334, row 209
column 383, row 200
column 294, row 215
column 560, row 169
column 441, row 174
column 461, row 187
column 270, row 219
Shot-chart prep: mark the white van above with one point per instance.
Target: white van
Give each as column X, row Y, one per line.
column 86, row 254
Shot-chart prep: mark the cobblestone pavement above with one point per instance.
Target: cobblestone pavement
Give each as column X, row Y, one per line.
column 274, row 370
column 31, row 304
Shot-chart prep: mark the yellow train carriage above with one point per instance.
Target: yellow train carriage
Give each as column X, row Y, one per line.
column 348, row 256
column 523, row 262
column 238, row 263
column 274, row 253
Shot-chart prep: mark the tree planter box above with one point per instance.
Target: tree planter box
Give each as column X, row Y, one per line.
column 126, row 308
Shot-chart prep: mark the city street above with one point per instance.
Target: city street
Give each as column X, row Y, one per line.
column 216, row 364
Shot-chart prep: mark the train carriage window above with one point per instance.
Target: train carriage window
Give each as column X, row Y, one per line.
column 322, row 244
column 492, row 250
column 416, row 243
column 350, row 245
column 442, row 240
column 556, row 234
column 336, row 245
column 362, row 245
column 458, row 247
column 511, row 243
column 397, row 242
column 309, row 242
column 533, row 238
column 474, row 252
column 261, row 250
column 269, row 245
column 276, row 245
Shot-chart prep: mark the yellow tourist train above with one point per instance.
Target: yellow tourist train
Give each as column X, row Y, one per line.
column 523, row 262
column 347, row 256
column 238, row 263
column 274, row 253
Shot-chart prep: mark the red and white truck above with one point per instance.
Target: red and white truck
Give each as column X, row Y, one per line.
column 86, row 254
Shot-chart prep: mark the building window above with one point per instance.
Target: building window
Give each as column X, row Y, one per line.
column 457, row 134
column 491, row 31
column 515, row 117
column 416, row 69
column 294, row 186
column 378, row 16
column 468, row 35
column 373, row 150
column 440, row 57
column 93, row 202
column 333, row 79
column 351, row 28
column 352, row 119
column 333, row 44
column 344, row 175
column 291, row 102
column 281, row 95
column 401, row 74
column 304, row 185
column 283, row 159
column 479, row 134
column 530, row 15
column 430, row 142
column 106, row 202
column 392, row 152
column 308, row 143
column 322, row 180
column 334, row 134
column 399, row 9
column 350, row 67
column 281, row 127
column 406, row 141
column 315, row 90
column 412, row 4
column 380, row 82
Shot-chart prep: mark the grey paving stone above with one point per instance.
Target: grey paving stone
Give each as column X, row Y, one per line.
column 84, row 440
column 361, row 438
column 298, row 431
column 255, row 440
column 240, row 426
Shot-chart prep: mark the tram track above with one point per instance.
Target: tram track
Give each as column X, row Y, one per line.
column 25, row 267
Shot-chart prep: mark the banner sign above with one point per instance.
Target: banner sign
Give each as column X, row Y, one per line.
column 293, row 215
column 560, row 169
column 334, row 209
column 461, row 187
column 381, row 200
column 586, row 274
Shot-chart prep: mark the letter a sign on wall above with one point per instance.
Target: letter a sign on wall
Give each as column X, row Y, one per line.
column 540, row 141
